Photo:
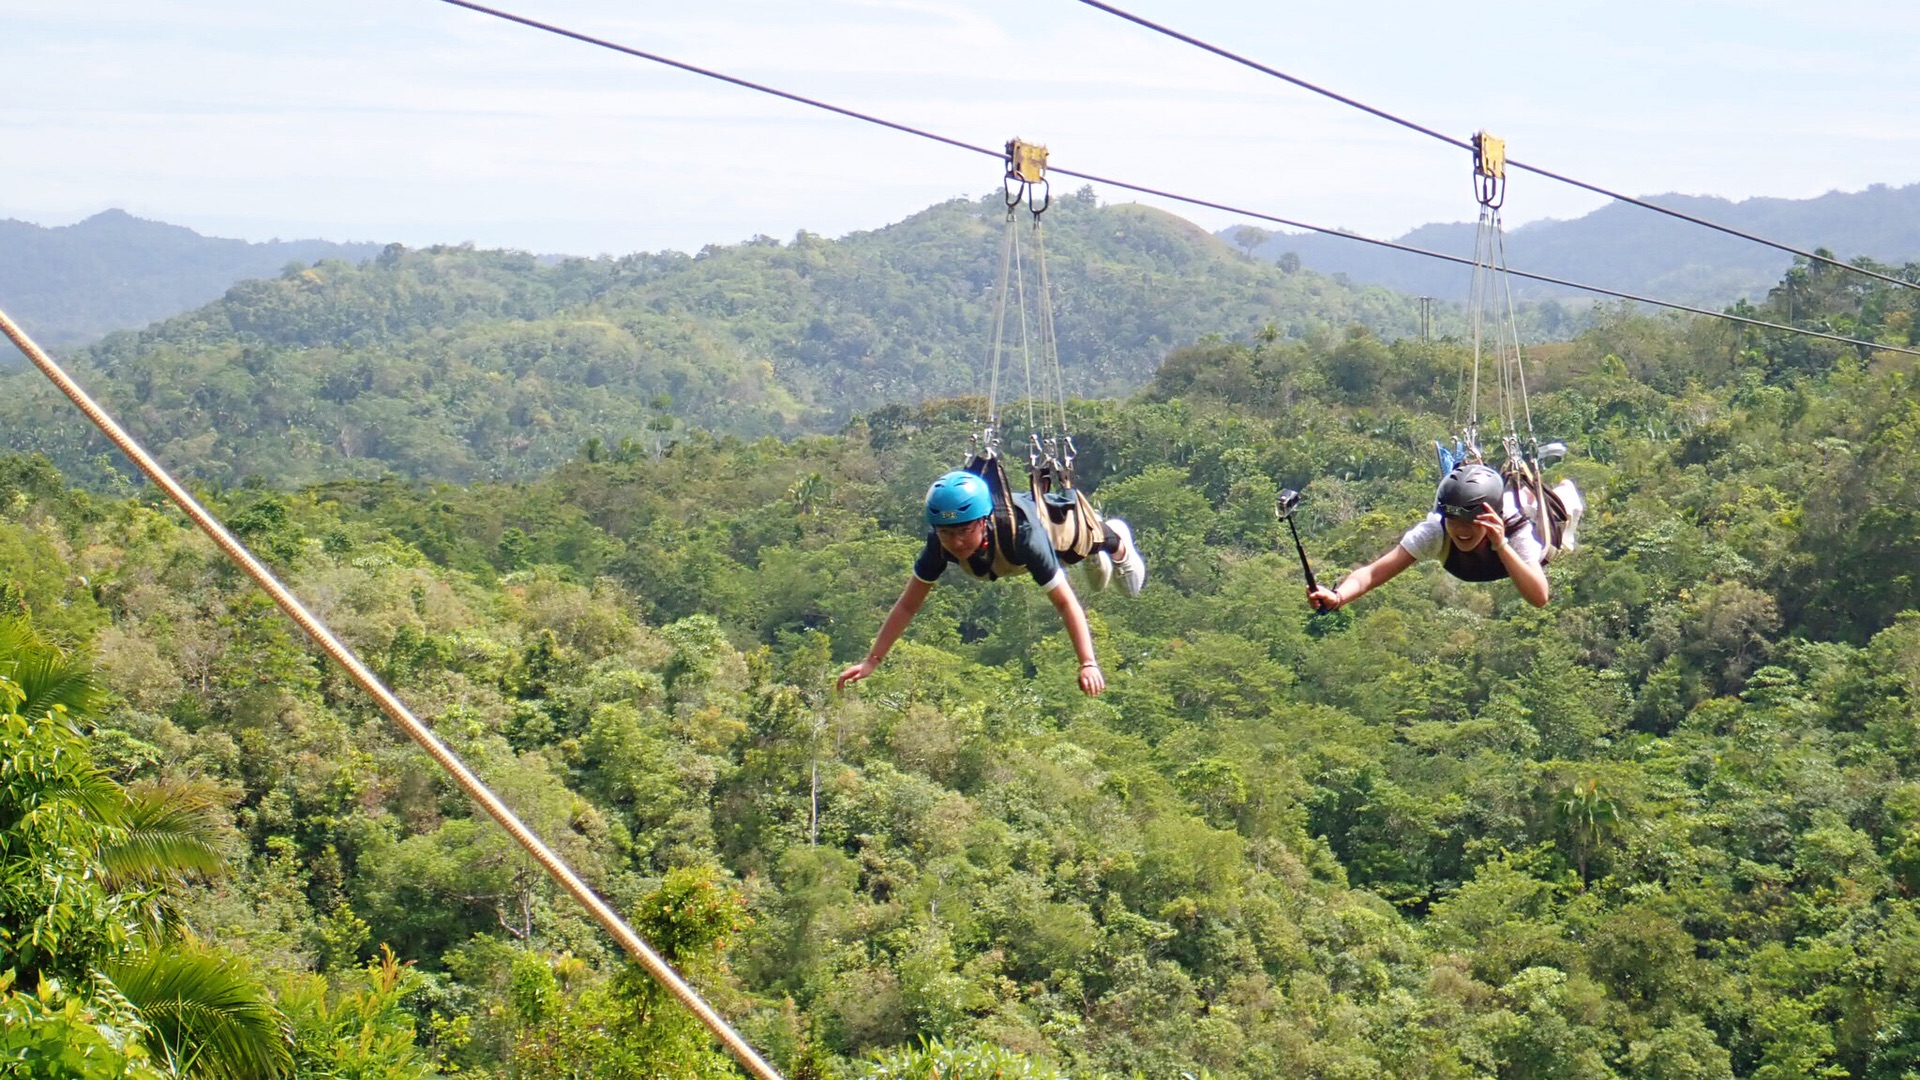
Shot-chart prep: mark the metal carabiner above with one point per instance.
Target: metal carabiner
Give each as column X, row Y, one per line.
column 986, row 440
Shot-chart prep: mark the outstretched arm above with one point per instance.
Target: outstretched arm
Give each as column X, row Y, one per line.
column 1361, row 581
column 1068, row 605
column 904, row 609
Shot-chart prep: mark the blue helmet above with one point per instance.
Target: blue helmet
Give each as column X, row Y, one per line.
column 957, row 498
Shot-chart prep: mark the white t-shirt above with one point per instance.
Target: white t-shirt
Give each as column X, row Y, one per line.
column 1428, row 540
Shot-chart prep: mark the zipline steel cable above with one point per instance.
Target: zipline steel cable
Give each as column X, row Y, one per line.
column 1163, row 194
column 443, row 755
column 1464, row 261
column 1463, row 144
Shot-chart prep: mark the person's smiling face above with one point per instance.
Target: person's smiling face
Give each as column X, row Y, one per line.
column 962, row 541
column 1465, row 534
column 1468, row 527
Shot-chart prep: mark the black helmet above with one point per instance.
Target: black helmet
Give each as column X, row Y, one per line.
column 1469, row 487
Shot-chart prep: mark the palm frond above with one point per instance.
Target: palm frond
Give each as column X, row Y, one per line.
column 50, row 677
column 16, row 639
column 55, row 683
column 206, row 1015
column 171, row 833
column 85, row 789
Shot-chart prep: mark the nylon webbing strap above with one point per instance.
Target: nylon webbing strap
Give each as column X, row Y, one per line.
column 992, row 419
column 337, row 650
column 1491, row 294
column 1049, row 336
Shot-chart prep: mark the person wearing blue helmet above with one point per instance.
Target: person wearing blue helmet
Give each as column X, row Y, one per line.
column 961, row 533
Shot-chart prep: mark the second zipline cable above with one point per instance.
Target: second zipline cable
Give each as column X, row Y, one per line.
column 1463, row 144
column 1157, row 192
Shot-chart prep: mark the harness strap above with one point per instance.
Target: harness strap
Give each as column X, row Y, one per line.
column 1073, row 526
column 1548, row 512
column 987, row 465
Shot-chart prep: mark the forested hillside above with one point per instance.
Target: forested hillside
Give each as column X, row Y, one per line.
column 1668, row 827
column 74, row 284
column 1625, row 247
column 461, row 365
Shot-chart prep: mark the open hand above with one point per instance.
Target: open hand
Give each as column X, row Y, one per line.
column 1091, row 680
column 854, row 673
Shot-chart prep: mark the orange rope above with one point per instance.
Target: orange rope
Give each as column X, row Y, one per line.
column 635, row 946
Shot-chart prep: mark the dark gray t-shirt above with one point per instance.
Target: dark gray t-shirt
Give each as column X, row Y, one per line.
column 1032, row 551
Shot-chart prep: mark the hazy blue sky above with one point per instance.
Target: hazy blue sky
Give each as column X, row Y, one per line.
column 416, row 121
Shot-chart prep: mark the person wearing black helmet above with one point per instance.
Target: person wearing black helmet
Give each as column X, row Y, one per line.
column 1477, row 531
column 960, row 533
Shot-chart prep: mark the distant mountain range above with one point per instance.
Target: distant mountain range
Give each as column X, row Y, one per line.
column 1636, row 250
column 75, row 283
column 452, row 363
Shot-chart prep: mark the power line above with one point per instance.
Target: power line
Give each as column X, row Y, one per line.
column 1278, row 74
column 721, row 76
column 1144, row 190
column 1514, row 163
column 1548, row 279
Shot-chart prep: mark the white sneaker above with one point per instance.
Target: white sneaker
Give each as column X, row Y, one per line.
column 1132, row 565
column 1098, row 569
column 1576, row 508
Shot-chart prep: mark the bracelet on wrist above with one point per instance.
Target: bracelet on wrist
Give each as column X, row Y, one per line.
column 1085, row 664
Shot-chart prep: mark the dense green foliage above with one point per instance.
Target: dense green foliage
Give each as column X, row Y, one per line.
column 1668, row 827
column 460, row 365
column 116, row 989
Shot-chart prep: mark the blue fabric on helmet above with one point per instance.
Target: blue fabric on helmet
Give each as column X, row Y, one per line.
column 957, row 498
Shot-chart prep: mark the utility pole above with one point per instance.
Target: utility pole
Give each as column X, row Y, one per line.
column 1426, row 320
